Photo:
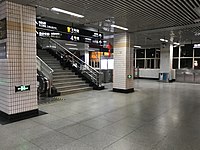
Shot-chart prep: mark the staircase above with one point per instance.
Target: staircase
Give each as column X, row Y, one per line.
column 65, row 81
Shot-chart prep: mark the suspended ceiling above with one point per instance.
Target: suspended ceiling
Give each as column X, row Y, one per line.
column 148, row 19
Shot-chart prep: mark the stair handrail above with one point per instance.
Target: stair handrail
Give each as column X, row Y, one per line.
column 74, row 56
column 46, row 70
column 98, row 75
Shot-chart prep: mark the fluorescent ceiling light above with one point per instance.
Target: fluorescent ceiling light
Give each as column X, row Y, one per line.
column 176, row 43
column 137, row 46
column 71, row 48
column 68, row 44
column 119, row 27
column 163, row 40
column 66, row 12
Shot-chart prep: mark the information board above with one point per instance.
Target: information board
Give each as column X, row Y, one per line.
column 3, row 31
column 64, row 32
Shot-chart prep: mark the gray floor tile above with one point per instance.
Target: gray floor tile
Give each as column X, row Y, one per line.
column 25, row 146
column 80, row 117
column 170, row 143
column 99, row 139
column 144, row 139
column 35, row 132
column 117, row 129
column 45, row 118
column 113, row 116
column 77, row 145
column 125, row 145
column 97, row 123
column 64, row 113
column 160, row 115
column 51, row 140
column 57, row 124
column 132, row 122
column 155, row 129
column 21, row 125
column 76, row 131
column 10, row 141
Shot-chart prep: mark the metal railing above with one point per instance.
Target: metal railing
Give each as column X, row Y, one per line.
column 46, row 70
column 93, row 75
column 89, row 72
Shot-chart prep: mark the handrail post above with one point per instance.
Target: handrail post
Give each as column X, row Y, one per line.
column 50, row 83
column 100, row 78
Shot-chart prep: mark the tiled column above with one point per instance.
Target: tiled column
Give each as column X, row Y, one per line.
column 166, row 57
column 123, row 64
column 19, row 66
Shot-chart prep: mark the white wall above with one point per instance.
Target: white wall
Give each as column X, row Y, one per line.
column 149, row 73
column 152, row 73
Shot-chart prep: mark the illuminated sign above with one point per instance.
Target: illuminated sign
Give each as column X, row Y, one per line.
column 63, row 32
column 129, row 76
column 196, row 45
column 22, row 88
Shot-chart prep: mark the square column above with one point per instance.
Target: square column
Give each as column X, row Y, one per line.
column 18, row 73
column 166, row 59
column 123, row 64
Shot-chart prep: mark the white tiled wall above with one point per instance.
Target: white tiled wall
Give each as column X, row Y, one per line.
column 10, row 72
column 123, row 64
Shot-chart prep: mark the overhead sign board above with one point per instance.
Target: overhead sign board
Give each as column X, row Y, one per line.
column 64, row 32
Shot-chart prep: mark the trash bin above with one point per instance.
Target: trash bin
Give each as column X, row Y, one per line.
column 164, row 77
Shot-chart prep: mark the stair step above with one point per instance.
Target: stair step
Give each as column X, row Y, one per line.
column 50, row 60
column 75, row 91
column 68, row 87
column 54, row 65
column 68, row 83
column 66, row 80
column 65, row 76
column 46, row 56
column 63, row 73
column 57, row 70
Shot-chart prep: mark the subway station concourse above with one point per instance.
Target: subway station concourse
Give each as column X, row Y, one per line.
column 100, row 75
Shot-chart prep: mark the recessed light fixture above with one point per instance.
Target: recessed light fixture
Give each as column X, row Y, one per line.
column 119, row 27
column 66, row 12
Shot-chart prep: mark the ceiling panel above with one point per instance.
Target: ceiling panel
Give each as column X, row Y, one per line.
column 137, row 15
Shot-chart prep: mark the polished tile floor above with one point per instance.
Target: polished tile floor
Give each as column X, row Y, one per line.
column 157, row 116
